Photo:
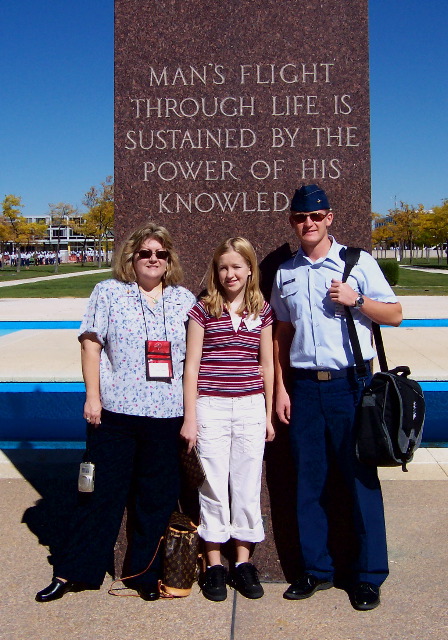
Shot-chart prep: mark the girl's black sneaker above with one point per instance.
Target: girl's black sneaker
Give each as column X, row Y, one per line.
column 244, row 578
column 213, row 583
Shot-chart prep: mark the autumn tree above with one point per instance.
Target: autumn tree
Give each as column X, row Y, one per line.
column 35, row 231
column 60, row 215
column 99, row 220
column 14, row 224
column 438, row 223
column 413, row 227
column 382, row 236
column 405, row 226
column 80, row 228
column 4, row 237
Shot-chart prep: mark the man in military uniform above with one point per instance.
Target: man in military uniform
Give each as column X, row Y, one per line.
column 317, row 392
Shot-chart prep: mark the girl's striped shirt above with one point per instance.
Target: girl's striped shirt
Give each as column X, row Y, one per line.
column 229, row 364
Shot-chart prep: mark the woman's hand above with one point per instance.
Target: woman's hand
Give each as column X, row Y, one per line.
column 270, row 432
column 90, row 360
column 92, row 412
column 189, row 433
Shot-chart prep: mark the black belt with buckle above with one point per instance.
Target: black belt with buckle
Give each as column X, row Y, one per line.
column 323, row 375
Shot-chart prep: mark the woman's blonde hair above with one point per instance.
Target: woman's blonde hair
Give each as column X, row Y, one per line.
column 123, row 266
column 215, row 299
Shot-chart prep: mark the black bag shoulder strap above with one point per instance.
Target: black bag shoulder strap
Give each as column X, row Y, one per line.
column 351, row 256
column 379, row 346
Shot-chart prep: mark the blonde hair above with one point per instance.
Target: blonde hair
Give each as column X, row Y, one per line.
column 123, row 267
column 215, row 300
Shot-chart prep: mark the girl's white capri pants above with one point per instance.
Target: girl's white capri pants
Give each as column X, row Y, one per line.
column 231, row 439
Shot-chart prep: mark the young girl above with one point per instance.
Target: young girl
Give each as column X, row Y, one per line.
column 228, row 411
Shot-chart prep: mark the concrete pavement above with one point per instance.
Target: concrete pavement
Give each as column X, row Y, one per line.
column 48, row 355
column 35, row 506
column 73, row 308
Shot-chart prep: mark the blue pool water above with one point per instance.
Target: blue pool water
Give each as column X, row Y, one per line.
column 42, row 387
column 41, row 411
column 50, row 413
column 43, row 324
column 422, row 322
column 42, row 444
column 11, row 327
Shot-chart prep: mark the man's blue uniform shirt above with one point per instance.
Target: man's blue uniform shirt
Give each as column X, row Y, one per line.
column 300, row 296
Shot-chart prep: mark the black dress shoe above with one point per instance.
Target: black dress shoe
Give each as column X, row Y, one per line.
column 54, row 591
column 365, row 596
column 306, row 586
column 148, row 593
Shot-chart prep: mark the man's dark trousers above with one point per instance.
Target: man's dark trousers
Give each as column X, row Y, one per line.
column 321, row 429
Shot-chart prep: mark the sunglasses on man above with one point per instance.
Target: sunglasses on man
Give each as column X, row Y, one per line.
column 315, row 216
column 145, row 254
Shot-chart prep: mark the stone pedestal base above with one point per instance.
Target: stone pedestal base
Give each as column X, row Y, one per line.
column 277, row 557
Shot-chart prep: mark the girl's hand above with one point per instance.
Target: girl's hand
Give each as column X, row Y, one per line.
column 270, row 432
column 189, row 433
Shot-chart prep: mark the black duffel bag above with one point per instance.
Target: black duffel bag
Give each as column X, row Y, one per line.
column 391, row 413
column 390, row 419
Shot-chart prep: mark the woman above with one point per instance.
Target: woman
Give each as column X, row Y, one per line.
column 134, row 413
column 228, row 410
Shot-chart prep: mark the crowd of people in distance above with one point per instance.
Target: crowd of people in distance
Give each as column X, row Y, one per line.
column 89, row 255
column 38, row 258
column 27, row 258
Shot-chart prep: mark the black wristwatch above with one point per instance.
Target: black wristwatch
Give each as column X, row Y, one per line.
column 358, row 302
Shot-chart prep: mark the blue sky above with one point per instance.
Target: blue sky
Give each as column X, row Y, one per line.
column 409, row 102
column 56, row 112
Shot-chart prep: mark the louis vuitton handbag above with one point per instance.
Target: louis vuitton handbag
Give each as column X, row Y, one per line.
column 180, row 557
column 192, row 470
column 180, row 560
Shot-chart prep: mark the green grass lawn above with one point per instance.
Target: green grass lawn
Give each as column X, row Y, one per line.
column 79, row 287
column 426, row 262
column 10, row 273
column 420, row 283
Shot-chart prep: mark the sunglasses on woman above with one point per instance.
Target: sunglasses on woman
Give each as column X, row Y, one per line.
column 145, row 254
column 316, row 216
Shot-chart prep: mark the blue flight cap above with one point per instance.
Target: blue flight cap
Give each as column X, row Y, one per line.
column 309, row 198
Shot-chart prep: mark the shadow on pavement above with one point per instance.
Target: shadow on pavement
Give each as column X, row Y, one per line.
column 53, row 474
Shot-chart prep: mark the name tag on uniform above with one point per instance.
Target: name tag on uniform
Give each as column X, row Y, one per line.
column 159, row 364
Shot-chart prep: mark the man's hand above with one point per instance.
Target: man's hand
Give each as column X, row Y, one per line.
column 342, row 293
column 283, row 406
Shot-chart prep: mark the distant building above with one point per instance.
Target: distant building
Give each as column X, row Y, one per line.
column 69, row 240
